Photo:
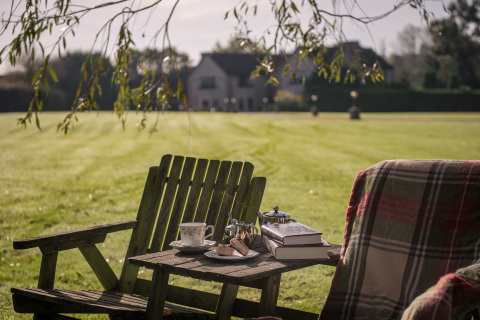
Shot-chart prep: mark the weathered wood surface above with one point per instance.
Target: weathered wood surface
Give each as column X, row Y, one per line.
column 242, row 272
column 226, row 301
column 242, row 308
column 269, row 297
column 158, row 292
column 100, row 267
column 72, row 236
column 263, row 272
column 180, row 189
column 46, row 277
column 92, row 301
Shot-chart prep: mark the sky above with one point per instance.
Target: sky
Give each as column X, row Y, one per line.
column 197, row 25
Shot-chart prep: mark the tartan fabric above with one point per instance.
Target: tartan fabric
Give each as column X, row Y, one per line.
column 408, row 223
column 453, row 290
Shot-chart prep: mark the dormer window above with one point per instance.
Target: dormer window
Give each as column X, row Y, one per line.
column 207, row 82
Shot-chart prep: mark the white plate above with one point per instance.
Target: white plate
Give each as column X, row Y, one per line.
column 236, row 255
column 206, row 245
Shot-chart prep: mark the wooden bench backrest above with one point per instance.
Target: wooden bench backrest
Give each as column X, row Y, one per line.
column 188, row 189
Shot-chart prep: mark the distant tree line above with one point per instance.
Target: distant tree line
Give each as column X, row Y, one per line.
column 59, row 95
column 444, row 55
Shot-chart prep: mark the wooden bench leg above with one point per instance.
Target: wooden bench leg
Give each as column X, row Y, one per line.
column 46, row 279
column 269, row 297
column 157, row 295
column 226, row 301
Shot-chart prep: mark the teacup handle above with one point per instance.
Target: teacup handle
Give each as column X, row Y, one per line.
column 210, row 234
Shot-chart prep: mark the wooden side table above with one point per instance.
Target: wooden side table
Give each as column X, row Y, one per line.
column 263, row 272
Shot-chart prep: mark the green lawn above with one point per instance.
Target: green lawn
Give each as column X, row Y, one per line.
column 52, row 182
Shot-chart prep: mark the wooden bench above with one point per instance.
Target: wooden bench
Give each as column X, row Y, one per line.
column 178, row 190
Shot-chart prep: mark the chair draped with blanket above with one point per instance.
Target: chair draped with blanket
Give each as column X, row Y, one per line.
column 410, row 225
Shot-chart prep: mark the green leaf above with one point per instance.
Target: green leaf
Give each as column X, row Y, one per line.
column 37, row 121
column 84, row 70
column 35, row 76
column 323, row 72
column 294, row 7
column 52, row 73
column 273, row 81
column 39, row 101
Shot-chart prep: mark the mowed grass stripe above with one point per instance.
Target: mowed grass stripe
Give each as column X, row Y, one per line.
column 53, row 182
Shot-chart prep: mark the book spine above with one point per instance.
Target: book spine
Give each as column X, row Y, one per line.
column 270, row 246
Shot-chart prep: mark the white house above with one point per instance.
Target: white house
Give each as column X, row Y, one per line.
column 222, row 81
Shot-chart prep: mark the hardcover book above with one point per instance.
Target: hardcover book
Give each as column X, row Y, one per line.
column 293, row 233
column 319, row 251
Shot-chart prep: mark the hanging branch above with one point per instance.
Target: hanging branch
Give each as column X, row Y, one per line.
column 29, row 20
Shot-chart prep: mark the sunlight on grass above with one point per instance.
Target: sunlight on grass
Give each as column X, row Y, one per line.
column 52, row 182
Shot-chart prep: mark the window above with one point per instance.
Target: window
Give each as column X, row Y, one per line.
column 207, row 82
column 243, row 81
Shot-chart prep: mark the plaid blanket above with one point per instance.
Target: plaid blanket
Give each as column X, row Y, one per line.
column 453, row 290
column 408, row 223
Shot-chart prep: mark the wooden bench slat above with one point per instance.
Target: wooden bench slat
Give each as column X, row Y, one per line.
column 243, row 186
column 207, row 191
column 179, row 203
column 218, row 192
column 195, row 190
column 227, row 199
column 94, row 301
column 167, row 204
column 141, row 235
column 253, row 199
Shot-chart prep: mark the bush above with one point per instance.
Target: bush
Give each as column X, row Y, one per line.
column 287, row 101
column 454, row 82
column 430, row 80
column 399, row 100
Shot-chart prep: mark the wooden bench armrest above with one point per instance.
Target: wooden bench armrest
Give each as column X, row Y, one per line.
column 71, row 237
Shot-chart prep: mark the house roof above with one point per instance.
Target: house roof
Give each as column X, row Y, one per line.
column 234, row 64
column 353, row 51
column 241, row 64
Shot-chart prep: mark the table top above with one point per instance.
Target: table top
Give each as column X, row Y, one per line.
column 199, row 266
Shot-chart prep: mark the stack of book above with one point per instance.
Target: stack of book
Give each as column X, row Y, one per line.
column 291, row 241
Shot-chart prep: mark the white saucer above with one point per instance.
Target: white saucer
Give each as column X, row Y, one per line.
column 206, row 245
column 236, row 255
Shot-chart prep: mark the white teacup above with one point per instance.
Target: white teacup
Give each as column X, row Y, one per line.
column 193, row 233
